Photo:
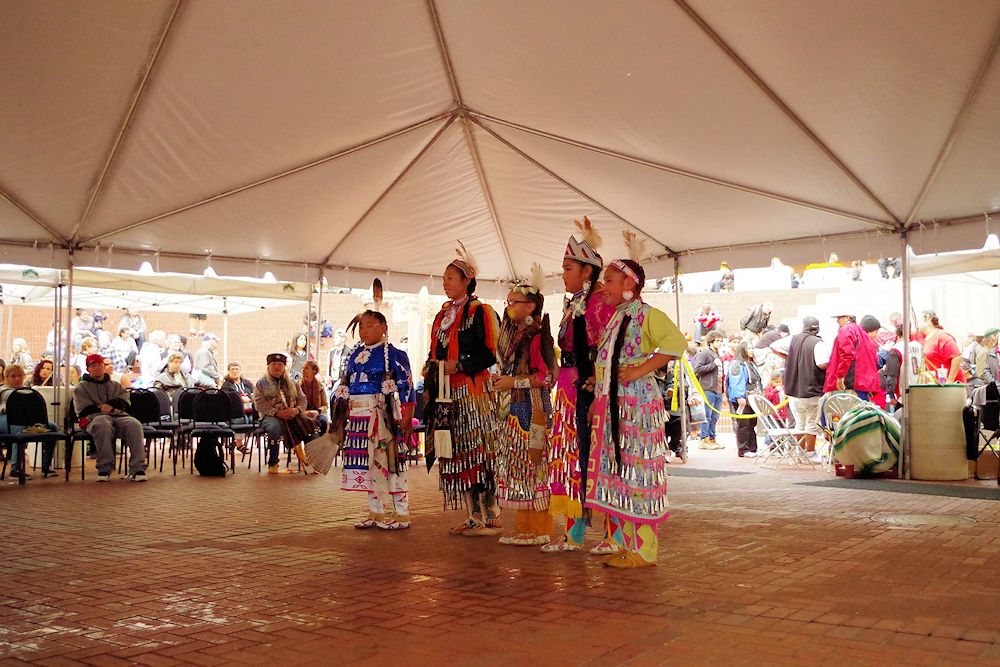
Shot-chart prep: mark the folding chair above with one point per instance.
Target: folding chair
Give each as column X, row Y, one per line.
column 212, row 411
column 785, row 443
column 73, row 433
column 988, row 425
column 146, row 408
column 833, row 407
column 27, row 408
column 238, row 422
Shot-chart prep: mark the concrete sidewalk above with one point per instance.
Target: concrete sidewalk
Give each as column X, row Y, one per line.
column 754, row 569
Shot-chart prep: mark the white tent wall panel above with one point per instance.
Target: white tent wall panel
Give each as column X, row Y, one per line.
column 793, row 252
column 69, row 73
column 932, row 238
column 666, row 92
column 417, row 224
column 247, row 89
column 302, row 215
column 29, row 255
column 880, row 82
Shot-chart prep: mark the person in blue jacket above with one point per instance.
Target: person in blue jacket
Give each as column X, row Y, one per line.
column 744, row 379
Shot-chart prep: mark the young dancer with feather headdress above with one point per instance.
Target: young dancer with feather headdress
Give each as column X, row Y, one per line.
column 464, row 338
column 585, row 315
column 628, row 476
column 526, row 361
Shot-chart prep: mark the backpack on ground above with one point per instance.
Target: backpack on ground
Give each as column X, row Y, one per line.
column 208, row 459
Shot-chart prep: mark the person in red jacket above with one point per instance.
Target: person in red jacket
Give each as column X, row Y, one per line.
column 854, row 360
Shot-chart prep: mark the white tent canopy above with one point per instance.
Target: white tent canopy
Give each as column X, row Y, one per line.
column 364, row 138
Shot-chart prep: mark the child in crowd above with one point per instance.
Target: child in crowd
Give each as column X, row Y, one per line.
column 775, row 393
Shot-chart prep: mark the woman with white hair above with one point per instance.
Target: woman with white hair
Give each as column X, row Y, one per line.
column 20, row 354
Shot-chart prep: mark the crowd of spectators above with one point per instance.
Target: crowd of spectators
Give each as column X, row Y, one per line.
column 794, row 372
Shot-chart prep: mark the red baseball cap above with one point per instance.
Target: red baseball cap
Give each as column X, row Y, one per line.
column 94, row 359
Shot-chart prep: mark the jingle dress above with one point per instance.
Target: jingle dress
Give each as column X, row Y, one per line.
column 525, row 418
column 466, row 331
column 584, row 318
column 374, row 453
column 627, row 476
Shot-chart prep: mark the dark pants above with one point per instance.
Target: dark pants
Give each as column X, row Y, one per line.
column 672, row 431
column 584, row 399
column 746, row 436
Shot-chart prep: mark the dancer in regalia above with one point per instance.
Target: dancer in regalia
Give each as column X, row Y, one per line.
column 584, row 317
column 464, row 337
column 627, row 475
column 377, row 388
column 523, row 386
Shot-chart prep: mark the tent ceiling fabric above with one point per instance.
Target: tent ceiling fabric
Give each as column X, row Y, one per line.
column 368, row 137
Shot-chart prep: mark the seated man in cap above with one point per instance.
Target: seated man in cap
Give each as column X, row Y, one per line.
column 278, row 401
column 101, row 404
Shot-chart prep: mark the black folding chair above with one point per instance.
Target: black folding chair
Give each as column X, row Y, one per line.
column 146, row 408
column 26, row 408
column 212, row 413
column 70, row 424
column 183, row 404
column 166, row 409
column 988, row 425
column 238, row 421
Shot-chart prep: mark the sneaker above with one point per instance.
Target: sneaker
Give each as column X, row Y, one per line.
column 103, row 477
column 749, row 455
column 364, row 524
column 17, row 474
column 272, row 470
column 137, row 477
column 393, row 525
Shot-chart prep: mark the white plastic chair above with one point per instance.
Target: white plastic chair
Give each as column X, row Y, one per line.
column 834, row 407
column 785, row 442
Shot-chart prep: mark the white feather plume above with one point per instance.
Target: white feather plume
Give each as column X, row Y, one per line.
column 589, row 233
column 467, row 257
column 636, row 246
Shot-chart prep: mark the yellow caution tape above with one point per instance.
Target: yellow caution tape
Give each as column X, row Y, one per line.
column 697, row 385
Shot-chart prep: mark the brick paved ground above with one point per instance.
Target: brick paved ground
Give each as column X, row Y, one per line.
column 755, row 569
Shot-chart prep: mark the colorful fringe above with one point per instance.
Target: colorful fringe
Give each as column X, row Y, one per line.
column 564, row 467
column 522, row 484
column 354, row 454
column 472, row 439
column 637, row 490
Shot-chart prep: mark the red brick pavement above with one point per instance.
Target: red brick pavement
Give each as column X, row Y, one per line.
column 252, row 569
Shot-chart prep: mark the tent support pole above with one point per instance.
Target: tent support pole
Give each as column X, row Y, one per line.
column 904, row 375
column 57, row 317
column 9, row 338
column 679, row 364
column 319, row 317
column 225, row 333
